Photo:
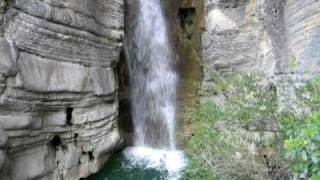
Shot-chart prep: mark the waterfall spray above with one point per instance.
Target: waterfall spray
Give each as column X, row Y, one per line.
column 152, row 77
column 153, row 83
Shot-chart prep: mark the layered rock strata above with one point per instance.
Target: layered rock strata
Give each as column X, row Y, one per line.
column 279, row 38
column 58, row 87
column 303, row 36
column 244, row 35
column 275, row 37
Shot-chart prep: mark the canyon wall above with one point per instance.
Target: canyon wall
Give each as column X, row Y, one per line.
column 58, row 87
column 244, row 35
column 278, row 38
column 59, row 70
column 275, row 37
column 303, row 24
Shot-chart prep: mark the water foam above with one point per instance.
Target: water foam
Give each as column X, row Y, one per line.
column 171, row 161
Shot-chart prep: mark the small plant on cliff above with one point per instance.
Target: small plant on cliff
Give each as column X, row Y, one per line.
column 293, row 62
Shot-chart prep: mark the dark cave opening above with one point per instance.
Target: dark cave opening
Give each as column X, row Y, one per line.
column 76, row 138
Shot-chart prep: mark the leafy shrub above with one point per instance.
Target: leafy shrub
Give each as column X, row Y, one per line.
column 246, row 137
column 302, row 146
column 225, row 137
column 302, row 138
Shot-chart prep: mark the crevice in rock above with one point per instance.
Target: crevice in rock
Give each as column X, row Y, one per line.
column 56, row 142
column 187, row 20
column 275, row 12
column 88, row 154
column 91, row 157
column 69, row 111
column 7, row 5
column 125, row 120
column 76, row 138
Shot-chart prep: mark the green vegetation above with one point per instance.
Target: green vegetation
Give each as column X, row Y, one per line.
column 302, row 136
column 293, row 62
column 302, row 147
column 239, row 132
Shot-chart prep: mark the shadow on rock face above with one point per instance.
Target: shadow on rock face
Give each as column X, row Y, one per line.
column 125, row 119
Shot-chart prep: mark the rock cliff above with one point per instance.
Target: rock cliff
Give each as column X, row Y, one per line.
column 58, row 86
column 303, row 34
column 59, row 63
column 244, row 35
column 279, row 38
column 275, row 37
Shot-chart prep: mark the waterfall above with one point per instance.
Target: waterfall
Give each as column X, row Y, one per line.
column 153, row 83
column 152, row 78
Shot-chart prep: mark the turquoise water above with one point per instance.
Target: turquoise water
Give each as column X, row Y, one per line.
column 118, row 168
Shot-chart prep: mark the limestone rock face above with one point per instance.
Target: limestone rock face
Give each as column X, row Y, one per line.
column 58, row 87
column 274, row 37
column 279, row 38
column 244, row 35
column 304, row 35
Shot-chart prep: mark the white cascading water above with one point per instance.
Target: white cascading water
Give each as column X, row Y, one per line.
column 153, row 83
